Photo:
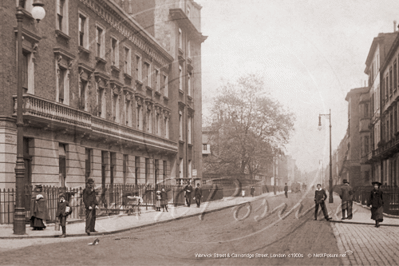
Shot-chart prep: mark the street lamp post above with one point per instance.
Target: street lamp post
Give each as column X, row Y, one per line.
column 38, row 13
column 331, row 200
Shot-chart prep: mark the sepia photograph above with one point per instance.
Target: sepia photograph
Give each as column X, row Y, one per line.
column 199, row 132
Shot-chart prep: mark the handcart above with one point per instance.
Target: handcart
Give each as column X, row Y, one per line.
column 133, row 205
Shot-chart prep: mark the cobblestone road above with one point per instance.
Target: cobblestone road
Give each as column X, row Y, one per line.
column 280, row 235
column 370, row 245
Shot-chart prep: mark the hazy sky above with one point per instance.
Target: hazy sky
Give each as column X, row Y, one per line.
column 310, row 54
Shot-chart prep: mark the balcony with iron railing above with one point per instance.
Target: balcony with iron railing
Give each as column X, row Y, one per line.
column 44, row 113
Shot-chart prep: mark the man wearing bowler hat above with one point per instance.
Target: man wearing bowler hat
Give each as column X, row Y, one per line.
column 90, row 201
column 346, row 195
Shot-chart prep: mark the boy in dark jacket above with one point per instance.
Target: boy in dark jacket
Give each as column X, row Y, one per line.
column 63, row 210
column 319, row 197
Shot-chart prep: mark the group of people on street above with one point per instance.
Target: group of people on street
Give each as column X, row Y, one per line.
column 197, row 194
column 161, row 200
column 346, row 192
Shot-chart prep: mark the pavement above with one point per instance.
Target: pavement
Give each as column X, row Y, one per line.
column 361, row 241
column 123, row 222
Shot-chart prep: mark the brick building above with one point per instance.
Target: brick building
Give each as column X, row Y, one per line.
column 103, row 97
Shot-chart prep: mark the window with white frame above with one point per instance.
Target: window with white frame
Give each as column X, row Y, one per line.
column 83, row 31
column 62, row 15
column 147, row 74
column 189, row 84
column 181, row 168
column 189, row 170
column 83, row 95
column 180, row 125
column 63, row 85
column 189, row 131
column 28, row 73
column 138, row 68
column 180, row 39
column 139, row 116
column 101, row 100
column 180, row 78
column 100, row 41
column 166, row 125
column 128, row 61
column 128, row 110
column 149, row 120
column 114, row 52
column 165, row 85
column 157, row 80
column 115, row 107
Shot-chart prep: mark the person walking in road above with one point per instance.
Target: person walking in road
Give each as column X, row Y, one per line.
column 63, row 210
column 319, row 197
column 252, row 191
column 377, row 204
column 346, row 195
column 286, row 190
column 188, row 189
column 164, row 199
column 198, row 195
column 91, row 204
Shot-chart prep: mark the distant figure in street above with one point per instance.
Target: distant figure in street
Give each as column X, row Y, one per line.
column 164, row 199
column 377, row 204
column 158, row 201
column 188, row 189
column 198, row 195
column 319, row 197
column 286, row 190
column 252, row 191
column 243, row 193
column 346, row 197
column 40, row 213
column 63, row 210
column 91, row 204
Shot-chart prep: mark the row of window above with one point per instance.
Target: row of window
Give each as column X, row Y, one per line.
column 390, row 81
column 389, row 124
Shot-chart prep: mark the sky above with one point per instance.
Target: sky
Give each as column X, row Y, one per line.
column 309, row 53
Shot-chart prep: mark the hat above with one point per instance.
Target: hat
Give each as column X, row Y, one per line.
column 376, row 182
column 90, row 180
column 345, row 181
column 318, row 185
column 61, row 195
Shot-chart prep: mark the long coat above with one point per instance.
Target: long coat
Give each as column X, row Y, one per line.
column 346, row 193
column 40, row 209
column 377, row 205
column 61, row 206
column 164, row 198
column 89, row 198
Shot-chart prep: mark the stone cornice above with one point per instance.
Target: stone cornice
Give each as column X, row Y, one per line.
column 129, row 28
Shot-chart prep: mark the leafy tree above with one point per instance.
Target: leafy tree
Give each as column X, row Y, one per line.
column 248, row 128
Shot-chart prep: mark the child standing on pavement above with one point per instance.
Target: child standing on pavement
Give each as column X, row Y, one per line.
column 158, row 202
column 63, row 210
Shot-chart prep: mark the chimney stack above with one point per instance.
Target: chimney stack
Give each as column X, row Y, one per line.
column 394, row 26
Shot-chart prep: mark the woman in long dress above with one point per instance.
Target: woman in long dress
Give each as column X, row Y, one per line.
column 377, row 204
column 39, row 213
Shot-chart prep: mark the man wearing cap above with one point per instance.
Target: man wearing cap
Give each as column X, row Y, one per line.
column 347, row 200
column 90, row 201
column 319, row 197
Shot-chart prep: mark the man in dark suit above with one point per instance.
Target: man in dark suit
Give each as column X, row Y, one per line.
column 188, row 189
column 346, row 195
column 198, row 195
column 90, row 201
column 286, row 190
column 319, row 197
